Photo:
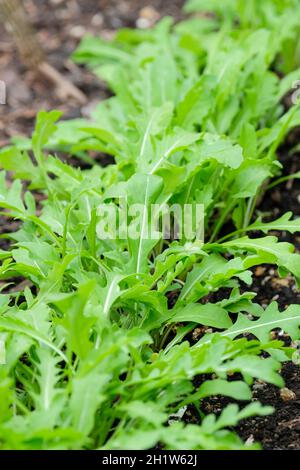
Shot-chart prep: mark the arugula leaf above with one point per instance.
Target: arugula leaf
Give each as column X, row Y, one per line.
column 209, row 315
column 284, row 223
column 268, row 250
column 288, row 320
column 93, row 339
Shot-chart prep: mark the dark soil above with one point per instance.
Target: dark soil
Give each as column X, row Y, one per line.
column 280, row 430
column 60, row 24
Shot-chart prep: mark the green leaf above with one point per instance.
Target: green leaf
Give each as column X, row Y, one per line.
column 85, row 398
column 209, row 315
column 284, row 223
column 173, row 143
column 19, row 162
column 263, row 369
column 45, row 128
column 268, row 250
column 142, row 191
column 18, row 326
column 271, row 318
column 249, row 178
column 238, row 390
column 75, row 322
column 221, row 150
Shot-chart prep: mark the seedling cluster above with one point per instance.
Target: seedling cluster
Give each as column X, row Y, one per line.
column 97, row 344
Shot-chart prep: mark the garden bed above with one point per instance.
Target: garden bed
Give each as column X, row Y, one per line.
column 60, row 28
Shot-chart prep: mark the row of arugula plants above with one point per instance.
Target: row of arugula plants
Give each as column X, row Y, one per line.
column 93, row 355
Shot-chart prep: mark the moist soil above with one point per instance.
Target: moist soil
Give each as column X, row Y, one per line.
column 60, row 24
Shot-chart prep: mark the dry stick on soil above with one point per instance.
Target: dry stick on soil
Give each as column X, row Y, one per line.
column 15, row 17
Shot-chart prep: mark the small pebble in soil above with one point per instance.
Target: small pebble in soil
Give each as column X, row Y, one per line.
column 280, row 282
column 142, row 23
column 147, row 17
column 198, row 332
column 259, row 271
column 97, row 20
column 116, row 23
column 259, row 385
column 77, row 32
column 250, row 440
column 149, row 13
column 287, row 395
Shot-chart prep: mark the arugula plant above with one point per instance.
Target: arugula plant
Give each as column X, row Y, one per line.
column 96, row 346
column 269, row 14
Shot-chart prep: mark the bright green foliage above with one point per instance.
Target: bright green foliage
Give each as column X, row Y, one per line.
column 269, row 14
column 94, row 354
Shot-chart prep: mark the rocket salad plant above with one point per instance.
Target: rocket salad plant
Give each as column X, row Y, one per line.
column 95, row 349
